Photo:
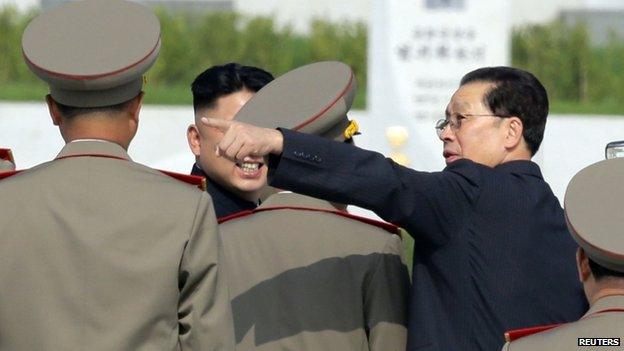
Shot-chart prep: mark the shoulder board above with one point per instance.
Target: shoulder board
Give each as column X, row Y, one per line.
column 8, row 174
column 389, row 227
column 198, row 181
column 520, row 333
column 6, row 154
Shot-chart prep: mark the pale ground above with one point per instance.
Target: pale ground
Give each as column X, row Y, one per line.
column 571, row 142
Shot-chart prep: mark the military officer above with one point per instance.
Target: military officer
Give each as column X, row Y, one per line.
column 220, row 92
column 99, row 252
column 594, row 215
column 6, row 160
column 304, row 273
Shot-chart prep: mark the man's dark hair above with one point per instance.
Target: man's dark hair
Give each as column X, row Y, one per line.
column 73, row 111
column 601, row 272
column 218, row 81
column 515, row 93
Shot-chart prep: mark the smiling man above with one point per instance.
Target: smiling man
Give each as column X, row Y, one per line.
column 492, row 251
column 219, row 92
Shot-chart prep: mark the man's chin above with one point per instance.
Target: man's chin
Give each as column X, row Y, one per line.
column 249, row 186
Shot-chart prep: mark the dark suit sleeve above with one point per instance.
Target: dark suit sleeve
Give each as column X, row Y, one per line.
column 204, row 312
column 385, row 299
column 428, row 205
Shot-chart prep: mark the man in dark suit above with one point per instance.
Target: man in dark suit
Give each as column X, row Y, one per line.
column 492, row 251
column 219, row 92
column 595, row 221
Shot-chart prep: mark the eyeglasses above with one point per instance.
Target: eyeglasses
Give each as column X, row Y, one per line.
column 455, row 123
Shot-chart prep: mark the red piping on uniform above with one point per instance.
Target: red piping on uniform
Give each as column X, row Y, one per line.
column 7, row 174
column 234, row 215
column 331, row 104
column 520, row 333
column 90, row 77
column 384, row 225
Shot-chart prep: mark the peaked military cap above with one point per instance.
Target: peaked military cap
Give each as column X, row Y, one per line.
column 312, row 99
column 92, row 53
column 593, row 209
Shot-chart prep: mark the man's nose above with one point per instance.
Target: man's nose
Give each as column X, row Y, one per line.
column 447, row 134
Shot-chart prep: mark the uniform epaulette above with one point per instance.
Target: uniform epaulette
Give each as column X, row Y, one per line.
column 6, row 154
column 198, row 181
column 383, row 225
column 520, row 333
column 7, row 174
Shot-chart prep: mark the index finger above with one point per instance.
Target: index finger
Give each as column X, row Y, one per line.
column 221, row 124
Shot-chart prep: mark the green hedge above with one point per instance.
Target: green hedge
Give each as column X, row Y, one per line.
column 577, row 75
column 194, row 42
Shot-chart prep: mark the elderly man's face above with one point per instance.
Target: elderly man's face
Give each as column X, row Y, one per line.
column 473, row 132
column 243, row 179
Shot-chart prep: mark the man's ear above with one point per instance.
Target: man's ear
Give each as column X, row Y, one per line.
column 55, row 113
column 582, row 264
column 135, row 107
column 194, row 139
column 515, row 128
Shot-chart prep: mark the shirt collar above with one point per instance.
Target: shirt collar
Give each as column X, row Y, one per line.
column 93, row 148
column 607, row 302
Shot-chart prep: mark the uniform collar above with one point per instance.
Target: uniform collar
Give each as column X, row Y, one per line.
column 288, row 199
column 93, row 148
column 607, row 302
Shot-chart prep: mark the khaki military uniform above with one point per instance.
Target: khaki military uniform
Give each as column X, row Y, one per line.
column 101, row 253
column 304, row 276
column 605, row 319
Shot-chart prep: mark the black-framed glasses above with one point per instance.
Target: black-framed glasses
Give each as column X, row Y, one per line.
column 455, row 123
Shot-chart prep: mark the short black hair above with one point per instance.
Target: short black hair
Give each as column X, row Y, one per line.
column 70, row 112
column 226, row 79
column 515, row 93
column 601, row 272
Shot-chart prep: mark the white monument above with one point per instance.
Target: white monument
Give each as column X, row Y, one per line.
column 418, row 52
